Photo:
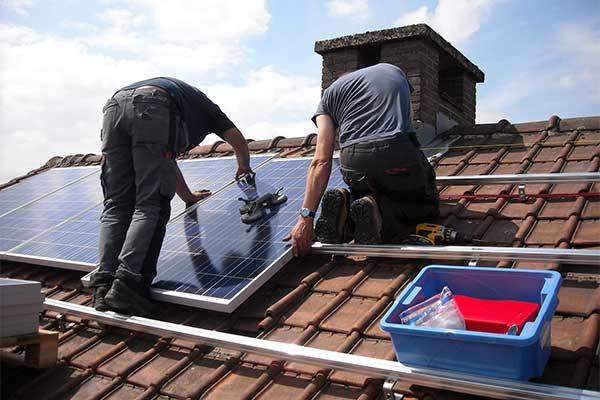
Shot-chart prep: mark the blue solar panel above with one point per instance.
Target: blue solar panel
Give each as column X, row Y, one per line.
column 76, row 240
column 38, row 185
column 27, row 222
column 211, row 259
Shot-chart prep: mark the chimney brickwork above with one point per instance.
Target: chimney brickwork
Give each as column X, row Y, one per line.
column 443, row 79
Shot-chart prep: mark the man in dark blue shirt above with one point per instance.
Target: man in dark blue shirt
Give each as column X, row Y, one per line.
column 145, row 126
column 390, row 180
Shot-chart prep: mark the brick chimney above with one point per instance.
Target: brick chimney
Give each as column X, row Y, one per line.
column 444, row 79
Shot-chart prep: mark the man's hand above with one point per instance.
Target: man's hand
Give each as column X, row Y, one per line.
column 196, row 196
column 303, row 235
column 243, row 170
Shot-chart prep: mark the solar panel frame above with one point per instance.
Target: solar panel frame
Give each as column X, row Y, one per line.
column 230, row 304
column 10, row 190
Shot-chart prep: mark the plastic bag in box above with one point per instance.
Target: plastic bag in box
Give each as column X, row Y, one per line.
column 439, row 311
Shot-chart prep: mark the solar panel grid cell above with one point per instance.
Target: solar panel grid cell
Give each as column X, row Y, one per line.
column 211, row 256
column 25, row 223
column 38, row 185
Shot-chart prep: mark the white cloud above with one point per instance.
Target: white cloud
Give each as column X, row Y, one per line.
column 348, row 8
column 581, row 45
column 18, row 6
column 269, row 103
column 53, row 87
column 455, row 20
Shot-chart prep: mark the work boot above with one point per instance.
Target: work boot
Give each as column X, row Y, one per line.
column 127, row 298
column 330, row 226
column 367, row 221
column 99, row 295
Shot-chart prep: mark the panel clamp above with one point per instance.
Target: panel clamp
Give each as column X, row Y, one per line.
column 522, row 194
column 388, row 390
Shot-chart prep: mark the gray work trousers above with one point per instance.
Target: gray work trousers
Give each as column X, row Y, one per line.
column 396, row 172
column 138, row 179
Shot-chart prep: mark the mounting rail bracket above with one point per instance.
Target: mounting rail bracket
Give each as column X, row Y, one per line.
column 388, row 391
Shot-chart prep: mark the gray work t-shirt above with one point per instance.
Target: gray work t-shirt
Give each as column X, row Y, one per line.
column 369, row 104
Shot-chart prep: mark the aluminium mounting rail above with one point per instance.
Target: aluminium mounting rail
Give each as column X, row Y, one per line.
column 565, row 256
column 567, row 177
column 376, row 368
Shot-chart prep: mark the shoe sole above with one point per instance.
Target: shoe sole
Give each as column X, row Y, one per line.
column 329, row 226
column 367, row 222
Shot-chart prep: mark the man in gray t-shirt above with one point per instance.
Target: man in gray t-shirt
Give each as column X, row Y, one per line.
column 369, row 104
column 391, row 184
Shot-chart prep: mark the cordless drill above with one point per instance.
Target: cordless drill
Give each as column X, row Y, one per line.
column 433, row 234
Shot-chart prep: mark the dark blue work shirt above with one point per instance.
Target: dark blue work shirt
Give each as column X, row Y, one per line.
column 197, row 115
column 369, row 104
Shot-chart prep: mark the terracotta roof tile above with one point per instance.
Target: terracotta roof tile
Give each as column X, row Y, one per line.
column 384, row 280
column 579, row 297
column 129, row 392
column 325, row 341
column 335, row 391
column 345, row 318
column 574, row 337
column 137, row 352
column 197, row 376
column 288, row 386
column 381, row 349
column 586, row 233
column 243, row 381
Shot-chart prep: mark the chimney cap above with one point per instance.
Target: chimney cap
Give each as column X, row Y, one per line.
column 398, row 34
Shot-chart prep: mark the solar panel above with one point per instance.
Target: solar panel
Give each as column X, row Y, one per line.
column 74, row 243
column 38, row 185
column 210, row 259
column 25, row 223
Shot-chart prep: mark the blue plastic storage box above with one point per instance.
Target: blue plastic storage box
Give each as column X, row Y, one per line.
column 520, row 356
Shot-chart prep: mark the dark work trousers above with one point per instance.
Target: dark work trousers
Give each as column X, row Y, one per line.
column 138, row 180
column 396, row 172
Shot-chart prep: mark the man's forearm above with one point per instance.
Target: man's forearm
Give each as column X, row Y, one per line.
column 240, row 147
column 181, row 187
column 316, row 183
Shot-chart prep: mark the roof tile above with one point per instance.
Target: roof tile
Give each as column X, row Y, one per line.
column 335, row 391
column 286, row 386
column 242, row 382
column 154, row 371
column 101, row 350
column 384, row 280
column 544, row 232
column 137, row 352
column 344, row 276
column 587, row 233
column 579, row 297
column 574, row 337
column 310, row 310
column 198, row 376
column 322, row 340
column 345, row 318
column 591, row 210
column 381, row 349
column 92, row 388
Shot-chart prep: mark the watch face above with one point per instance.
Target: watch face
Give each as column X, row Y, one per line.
column 304, row 212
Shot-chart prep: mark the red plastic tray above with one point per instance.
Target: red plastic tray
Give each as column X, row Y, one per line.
column 495, row 316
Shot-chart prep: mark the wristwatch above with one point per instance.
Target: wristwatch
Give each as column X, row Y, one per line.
column 305, row 213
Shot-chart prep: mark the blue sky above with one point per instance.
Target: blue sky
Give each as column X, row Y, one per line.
column 60, row 60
